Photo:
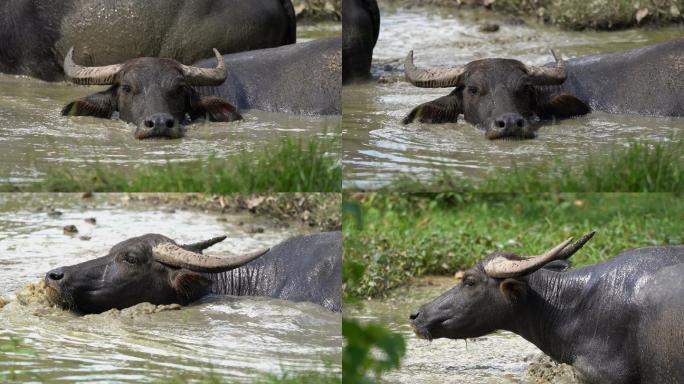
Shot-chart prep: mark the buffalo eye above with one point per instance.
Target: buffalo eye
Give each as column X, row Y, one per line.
column 178, row 90
column 473, row 90
column 130, row 259
column 126, row 88
column 469, row 281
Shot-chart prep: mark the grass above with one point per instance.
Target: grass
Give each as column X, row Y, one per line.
column 391, row 238
column 286, row 167
column 638, row 168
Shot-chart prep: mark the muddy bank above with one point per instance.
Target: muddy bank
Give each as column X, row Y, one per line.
column 318, row 10
column 575, row 14
column 319, row 210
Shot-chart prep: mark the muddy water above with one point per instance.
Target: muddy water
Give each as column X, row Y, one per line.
column 34, row 136
column 231, row 337
column 310, row 31
column 502, row 357
column 377, row 146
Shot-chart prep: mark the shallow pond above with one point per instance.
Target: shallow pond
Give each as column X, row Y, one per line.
column 236, row 338
column 377, row 147
column 501, row 357
column 34, row 136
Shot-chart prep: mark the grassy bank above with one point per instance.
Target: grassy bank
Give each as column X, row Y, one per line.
column 638, row 168
column 285, row 167
column 390, row 238
column 579, row 14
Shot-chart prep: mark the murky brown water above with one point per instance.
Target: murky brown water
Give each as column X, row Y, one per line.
column 235, row 338
column 377, row 147
column 501, row 357
column 35, row 137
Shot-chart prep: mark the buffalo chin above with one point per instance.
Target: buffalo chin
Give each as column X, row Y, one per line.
column 175, row 132
column 497, row 134
column 421, row 332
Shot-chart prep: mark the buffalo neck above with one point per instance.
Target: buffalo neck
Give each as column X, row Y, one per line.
column 548, row 316
column 253, row 279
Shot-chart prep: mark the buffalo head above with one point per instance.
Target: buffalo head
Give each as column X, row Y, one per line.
column 154, row 94
column 488, row 296
column 150, row 268
column 504, row 97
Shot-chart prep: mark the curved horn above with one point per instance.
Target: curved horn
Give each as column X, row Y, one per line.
column 174, row 255
column 548, row 75
column 206, row 76
column 89, row 75
column 571, row 250
column 432, row 78
column 501, row 267
column 202, row 245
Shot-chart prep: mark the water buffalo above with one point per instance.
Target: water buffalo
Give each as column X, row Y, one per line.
column 360, row 29
column 507, row 98
column 160, row 96
column 153, row 268
column 36, row 34
column 616, row 322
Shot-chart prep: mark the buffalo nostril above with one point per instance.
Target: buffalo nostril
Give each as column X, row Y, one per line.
column 56, row 274
column 169, row 123
column 520, row 123
column 414, row 315
column 149, row 123
column 500, row 123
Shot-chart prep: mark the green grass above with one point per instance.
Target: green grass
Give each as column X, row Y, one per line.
column 286, row 167
column 390, row 238
column 637, row 168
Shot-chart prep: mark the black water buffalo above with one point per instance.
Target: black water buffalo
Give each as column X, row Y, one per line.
column 160, row 96
column 35, row 35
column 507, row 98
column 621, row 321
column 360, row 29
column 153, row 268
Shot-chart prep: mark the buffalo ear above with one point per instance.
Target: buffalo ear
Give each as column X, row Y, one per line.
column 101, row 104
column 189, row 285
column 563, row 105
column 514, row 290
column 214, row 109
column 442, row 110
column 558, row 266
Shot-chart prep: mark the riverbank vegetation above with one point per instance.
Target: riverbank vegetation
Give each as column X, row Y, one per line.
column 289, row 166
column 390, row 238
column 637, row 168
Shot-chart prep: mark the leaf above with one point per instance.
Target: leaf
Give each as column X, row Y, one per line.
column 674, row 11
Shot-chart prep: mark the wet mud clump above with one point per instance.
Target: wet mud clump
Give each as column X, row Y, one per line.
column 38, row 294
column 543, row 369
column 137, row 310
